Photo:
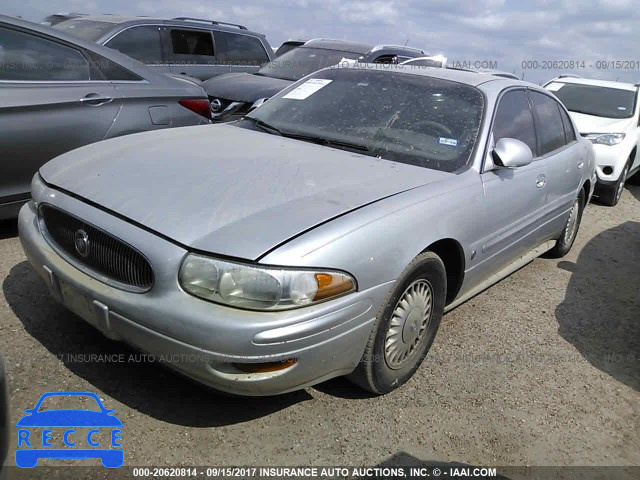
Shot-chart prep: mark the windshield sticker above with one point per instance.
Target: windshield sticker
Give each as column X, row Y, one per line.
column 307, row 89
column 448, row 141
column 554, row 86
column 348, row 61
column 622, row 108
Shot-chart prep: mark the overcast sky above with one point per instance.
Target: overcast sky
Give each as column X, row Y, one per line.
column 466, row 31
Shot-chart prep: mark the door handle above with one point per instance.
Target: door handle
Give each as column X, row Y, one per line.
column 95, row 100
column 540, row 181
column 581, row 163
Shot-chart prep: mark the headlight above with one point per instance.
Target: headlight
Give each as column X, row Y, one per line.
column 260, row 288
column 607, row 138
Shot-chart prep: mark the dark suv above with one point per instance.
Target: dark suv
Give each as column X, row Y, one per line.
column 235, row 94
column 189, row 46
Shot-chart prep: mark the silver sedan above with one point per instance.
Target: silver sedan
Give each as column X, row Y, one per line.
column 324, row 234
column 58, row 93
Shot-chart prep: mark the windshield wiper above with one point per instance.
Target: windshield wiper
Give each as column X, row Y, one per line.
column 326, row 141
column 585, row 113
column 264, row 126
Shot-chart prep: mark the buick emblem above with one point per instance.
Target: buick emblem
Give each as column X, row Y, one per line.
column 81, row 242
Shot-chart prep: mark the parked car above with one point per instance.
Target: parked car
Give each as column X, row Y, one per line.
column 4, row 418
column 183, row 45
column 322, row 235
column 59, row 93
column 236, row 94
column 608, row 114
column 288, row 46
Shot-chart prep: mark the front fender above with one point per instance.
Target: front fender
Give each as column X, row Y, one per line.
column 377, row 242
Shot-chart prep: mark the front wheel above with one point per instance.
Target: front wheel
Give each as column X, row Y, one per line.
column 612, row 194
column 405, row 327
column 570, row 231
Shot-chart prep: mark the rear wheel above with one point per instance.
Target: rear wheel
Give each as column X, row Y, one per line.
column 611, row 195
column 570, row 231
column 405, row 327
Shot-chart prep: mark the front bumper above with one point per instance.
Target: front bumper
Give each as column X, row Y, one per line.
column 200, row 339
column 610, row 161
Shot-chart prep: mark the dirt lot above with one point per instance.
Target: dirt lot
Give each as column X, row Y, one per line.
column 542, row 369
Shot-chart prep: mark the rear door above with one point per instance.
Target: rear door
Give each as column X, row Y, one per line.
column 144, row 43
column 562, row 155
column 192, row 52
column 50, row 103
column 515, row 197
column 239, row 51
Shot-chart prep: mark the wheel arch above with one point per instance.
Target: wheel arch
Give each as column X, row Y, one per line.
column 451, row 253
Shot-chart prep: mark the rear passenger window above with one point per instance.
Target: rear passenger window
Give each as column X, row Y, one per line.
column 192, row 42
column 514, row 120
column 26, row 57
column 109, row 70
column 238, row 49
column 141, row 43
column 569, row 132
column 549, row 123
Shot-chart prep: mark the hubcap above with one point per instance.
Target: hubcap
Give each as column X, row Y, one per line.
column 409, row 323
column 572, row 223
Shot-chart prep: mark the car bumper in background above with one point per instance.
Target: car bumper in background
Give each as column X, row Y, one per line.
column 610, row 161
column 213, row 344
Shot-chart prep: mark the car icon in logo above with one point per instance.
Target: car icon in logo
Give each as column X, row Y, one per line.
column 82, row 433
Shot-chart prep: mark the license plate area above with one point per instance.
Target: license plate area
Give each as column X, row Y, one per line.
column 79, row 303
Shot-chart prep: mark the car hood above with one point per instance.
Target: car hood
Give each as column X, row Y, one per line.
column 225, row 189
column 592, row 124
column 244, row 87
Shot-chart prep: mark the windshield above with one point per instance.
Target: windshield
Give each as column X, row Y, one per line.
column 407, row 118
column 302, row 61
column 85, row 29
column 594, row 100
column 69, row 402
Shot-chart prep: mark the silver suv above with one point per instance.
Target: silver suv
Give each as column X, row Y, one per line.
column 189, row 46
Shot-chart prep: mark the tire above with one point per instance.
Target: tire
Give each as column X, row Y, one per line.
column 405, row 327
column 610, row 196
column 570, row 232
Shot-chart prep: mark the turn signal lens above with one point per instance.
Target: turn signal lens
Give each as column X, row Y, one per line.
column 332, row 285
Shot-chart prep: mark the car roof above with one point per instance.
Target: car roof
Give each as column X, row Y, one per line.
column 594, row 82
column 473, row 79
column 333, row 44
column 69, row 394
column 128, row 21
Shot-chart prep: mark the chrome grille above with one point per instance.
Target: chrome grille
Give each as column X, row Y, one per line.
column 97, row 250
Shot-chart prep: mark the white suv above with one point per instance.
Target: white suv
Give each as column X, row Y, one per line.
column 607, row 113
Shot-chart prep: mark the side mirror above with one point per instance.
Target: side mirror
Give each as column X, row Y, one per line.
column 512, row 153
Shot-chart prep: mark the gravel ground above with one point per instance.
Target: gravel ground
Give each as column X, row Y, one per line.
column 541, row 369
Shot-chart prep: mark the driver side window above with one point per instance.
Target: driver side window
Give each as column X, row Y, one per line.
column 514, row 120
